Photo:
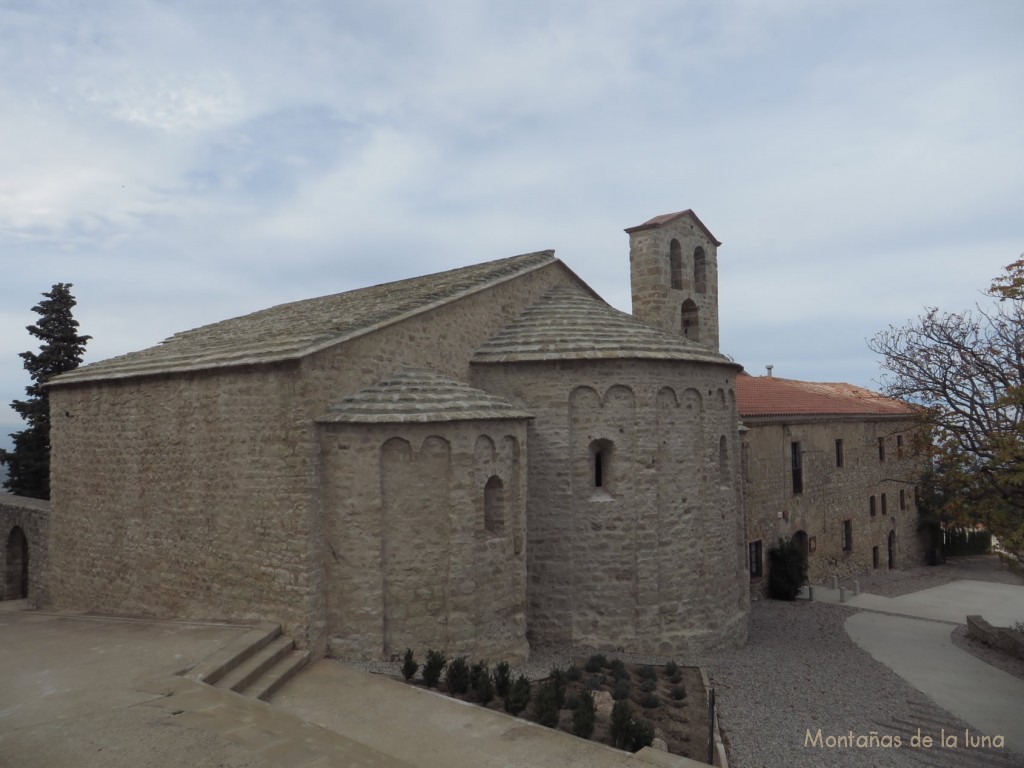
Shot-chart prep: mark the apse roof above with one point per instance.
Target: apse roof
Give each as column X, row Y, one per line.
column 569, row 324
column 412, row 395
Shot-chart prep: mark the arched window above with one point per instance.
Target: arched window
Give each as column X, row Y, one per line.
column 600, row 463
column 689, row 321
column 675, row 258
column 494, row 506
column 700, row 271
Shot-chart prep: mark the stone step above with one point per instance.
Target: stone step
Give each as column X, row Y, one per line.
column 283, row 671
column 213, row 668
column 247, row 672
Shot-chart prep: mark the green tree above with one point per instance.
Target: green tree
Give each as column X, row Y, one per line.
column 966, row 371
column 60, row 351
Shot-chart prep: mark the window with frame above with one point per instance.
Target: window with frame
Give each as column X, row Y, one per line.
column 899, row 446
column 756, row 565
column 881, row 449
column 871, row 505
column 847, row 536
column 675, row 259
column 885, row 505
column 903, row 499
column 797, row 462
column 840, row 457
column 600, row 463
column 494, row 506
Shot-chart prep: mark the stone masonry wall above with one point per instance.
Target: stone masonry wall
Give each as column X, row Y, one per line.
column 31, row 518
column 653, row 559
column 411, row 562
column 183, row 496
column 832, row 494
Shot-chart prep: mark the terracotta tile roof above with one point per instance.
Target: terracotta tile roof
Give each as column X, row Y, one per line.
column 569, row 324
column 772, row 396
column 294, row 330
column 664, row 218
column 412, row 395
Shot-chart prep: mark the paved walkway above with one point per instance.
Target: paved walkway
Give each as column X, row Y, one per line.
column 910, row 634
column 91, row 692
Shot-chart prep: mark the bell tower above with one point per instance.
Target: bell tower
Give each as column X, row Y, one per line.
column 673, row 266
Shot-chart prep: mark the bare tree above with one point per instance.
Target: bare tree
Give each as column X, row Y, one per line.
column 966, row 371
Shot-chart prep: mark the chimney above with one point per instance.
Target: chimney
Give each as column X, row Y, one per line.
column 769, row 367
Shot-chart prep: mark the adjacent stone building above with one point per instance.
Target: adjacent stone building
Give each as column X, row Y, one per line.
column 475, row 460
column 833, row 467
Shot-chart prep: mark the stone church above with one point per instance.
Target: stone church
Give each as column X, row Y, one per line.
column 478, row 461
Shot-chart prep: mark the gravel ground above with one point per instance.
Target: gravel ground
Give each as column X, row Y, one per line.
column 800, row 671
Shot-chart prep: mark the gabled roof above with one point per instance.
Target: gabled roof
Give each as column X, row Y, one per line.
column 292, row 331
column 569, row 324
column 412, row 395
column 772, row 396
column 665, row 218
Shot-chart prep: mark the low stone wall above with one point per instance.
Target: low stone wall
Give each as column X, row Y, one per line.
column 23, row 534
column 1007, row 640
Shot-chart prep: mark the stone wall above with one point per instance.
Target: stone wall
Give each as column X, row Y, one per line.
column 425, row 536
column 184, row 496
column 651, row 559
column 832, row 494
column 23, row 530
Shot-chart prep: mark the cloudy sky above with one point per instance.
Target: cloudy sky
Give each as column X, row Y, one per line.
column 183, row 162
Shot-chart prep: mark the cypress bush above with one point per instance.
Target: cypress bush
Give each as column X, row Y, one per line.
column 547, row 706
column 585, row 715
column 502, row 678
column 409, row 665
column 458, row 675
column 518, row 696
column 433, row 667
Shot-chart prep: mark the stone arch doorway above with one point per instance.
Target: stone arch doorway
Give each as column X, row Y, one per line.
column 800, row 539
column 892, row 550
column 16, row 578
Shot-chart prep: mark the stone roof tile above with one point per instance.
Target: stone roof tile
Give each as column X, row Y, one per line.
column 568, row 324
column 294, row 330
column 412, row 395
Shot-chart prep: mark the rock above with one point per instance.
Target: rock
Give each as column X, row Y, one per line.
column 659, row 744
column 603, row 703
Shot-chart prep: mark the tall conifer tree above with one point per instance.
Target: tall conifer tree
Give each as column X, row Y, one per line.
column 60, row 351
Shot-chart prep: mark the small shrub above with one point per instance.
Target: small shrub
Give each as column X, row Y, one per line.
column 573, row 673
column 518, row 696
column 477, row 671
column 546, row 707
column 557, row 679
column 595, row 682
column 678, row 693
column 676, row 679
column 458, row 675
column 596, row 663
column 619, row 671
column 572, row 701
column 647, row 672
column 647, row 685
column 650, row 701
column 641, row 733
column 787, row 570
column 621, row 690
column 671, row 669
column 484, row 688
column 584, row 716
column 409, row 665
column 618, row 728
column 502, row 678
column 1018, row 626
column 433, row 667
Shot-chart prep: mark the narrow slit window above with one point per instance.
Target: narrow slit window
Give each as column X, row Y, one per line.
column 796, row 459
